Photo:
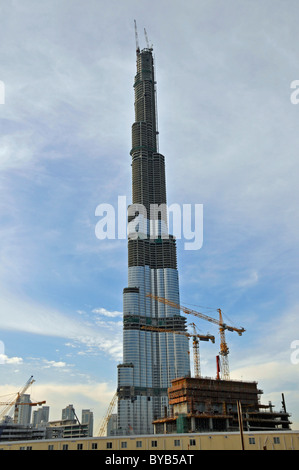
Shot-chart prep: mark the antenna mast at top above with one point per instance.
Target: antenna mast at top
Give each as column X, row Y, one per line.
column 136, row 38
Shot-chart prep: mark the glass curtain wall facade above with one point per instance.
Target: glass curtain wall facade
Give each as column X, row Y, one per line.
column 151, row 359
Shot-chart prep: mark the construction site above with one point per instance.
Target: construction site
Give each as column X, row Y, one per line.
column 196, row 404
column 205, row 404
column 204, row 413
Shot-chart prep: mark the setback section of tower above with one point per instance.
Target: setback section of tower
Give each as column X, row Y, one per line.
column 157, row 254
column 148, row 179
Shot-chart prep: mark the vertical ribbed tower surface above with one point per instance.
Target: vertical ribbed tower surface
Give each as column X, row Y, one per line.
column 151, row 359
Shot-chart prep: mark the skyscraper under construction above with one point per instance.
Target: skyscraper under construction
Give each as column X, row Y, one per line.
column 151, row 359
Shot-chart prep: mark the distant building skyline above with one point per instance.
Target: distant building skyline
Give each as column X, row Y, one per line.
column 68, row 412
column 87, row 418
column 41, row 415
column 23, row 412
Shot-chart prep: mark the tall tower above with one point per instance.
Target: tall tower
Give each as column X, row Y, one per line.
column 150, row 359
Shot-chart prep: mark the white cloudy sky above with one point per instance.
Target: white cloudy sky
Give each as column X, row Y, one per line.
column 229, row 133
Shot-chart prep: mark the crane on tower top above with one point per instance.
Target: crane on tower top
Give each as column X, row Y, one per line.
column 224, row 351
column 147, row 41
column 148, row 46
column 136, row 38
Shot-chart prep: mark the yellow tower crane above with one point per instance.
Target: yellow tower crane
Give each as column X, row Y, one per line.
column 196, row 338
column 16, row 401
column 107, row 416
column 196, row 354
column 224, row 351
column 37, row 403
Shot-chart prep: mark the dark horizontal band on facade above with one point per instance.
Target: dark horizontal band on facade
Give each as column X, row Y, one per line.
column 131, row 290
column 142, row 147
column 138, row 322
column 131, row 393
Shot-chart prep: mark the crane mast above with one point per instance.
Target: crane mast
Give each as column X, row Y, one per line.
column 107, row 415
column 136, row 38
column 196, row 354
column 150, row 47
column 223, row 350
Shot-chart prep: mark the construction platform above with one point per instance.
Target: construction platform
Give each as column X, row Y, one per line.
column 207, row 405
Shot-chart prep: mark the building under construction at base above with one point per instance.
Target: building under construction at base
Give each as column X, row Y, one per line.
column 209, row 405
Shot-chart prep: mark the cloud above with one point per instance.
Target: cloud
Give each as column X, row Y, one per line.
column 251, row 280
column 16, row 150
column 31, row 317
column 57, row 364
column 110, row 341
column 10, row 360
column 107, row 313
